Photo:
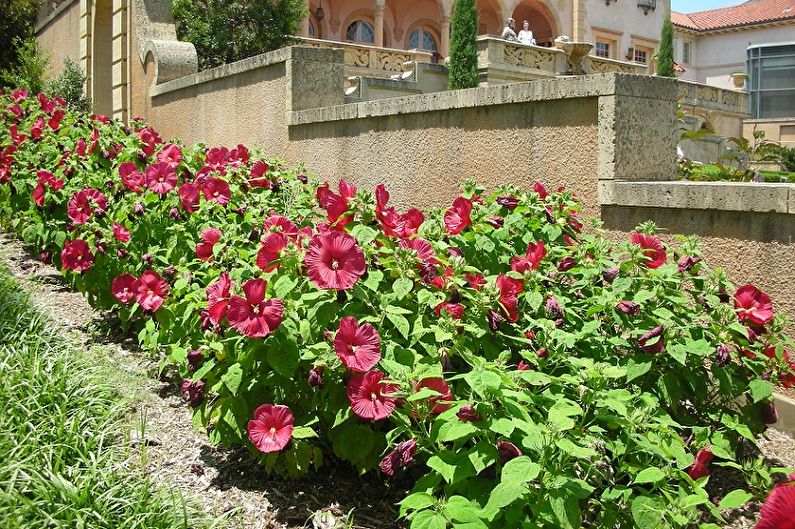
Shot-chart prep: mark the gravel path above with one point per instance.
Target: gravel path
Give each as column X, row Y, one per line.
column 227, row 482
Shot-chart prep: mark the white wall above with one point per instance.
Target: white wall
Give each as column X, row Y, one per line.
column 625, row 17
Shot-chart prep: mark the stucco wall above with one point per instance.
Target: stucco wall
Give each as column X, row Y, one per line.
column 59, row 36
column 626, row 20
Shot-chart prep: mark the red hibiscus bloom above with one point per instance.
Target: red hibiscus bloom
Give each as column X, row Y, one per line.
column 700, row 466
column 16, row 137
column 204, row 249
column 76, row 256
column 753, row 305
column 270, row 251
column 216, row 159
column 55, row 120
column 509, row 291
column 170, row 154
column 238, row 156
column 475, row 281
column 438, row 385
column 37, row 129
column 131, row 177
column 218, row 298
column 252, row 316
column 121, row 233
column 393, row 224
column 778, row 511
column 431, row 276
column 422, row 248
column 19, row 95
column 457, row 218
column 280, row 223
column 532, row 259
column 653, row 341
column 84, row 204
column 46, row 179
column 334, row 261
column 189, row 196
column 258, row 176
column 149, row 139
column 122, row 288
column 539, row 188
column 336, row 205
column 150, row 290
column 652, row 249
column 358, row 346
column 455, row 310
column 271, row 428
column 161, row 178
column 218, row 190
column 401, row 456
column 369, row 396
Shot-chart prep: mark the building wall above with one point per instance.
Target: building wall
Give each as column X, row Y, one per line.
column 59, row 36
column 626, row 23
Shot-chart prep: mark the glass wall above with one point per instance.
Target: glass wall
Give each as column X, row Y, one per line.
column 771, row 68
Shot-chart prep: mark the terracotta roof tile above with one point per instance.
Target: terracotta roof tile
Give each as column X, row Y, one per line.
column 745, row 14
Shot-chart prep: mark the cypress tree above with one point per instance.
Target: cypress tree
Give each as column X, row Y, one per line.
column 463, row 68
column 665, row 57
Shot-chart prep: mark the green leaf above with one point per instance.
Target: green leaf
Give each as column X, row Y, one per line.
column 760, row 390
column 482, row 381
column 502, row 426
column 373, row 280
column 520, row 470
column 232, row 378
column 678, row 352
column 283, row 286
column 637, row 369
column 534, row 299
column 400, row 322
column 402, row 286
column 504, row 494
column 649, row 475
column 428, row 520
column 647, row 512
column 284, row 357
column 462, row 510
column 446, row 470
column 417, row 501
column 581, row 452
column 566, row 509
column 561, row 413
column 303, row 432
column 452, row 431
column 734, row 499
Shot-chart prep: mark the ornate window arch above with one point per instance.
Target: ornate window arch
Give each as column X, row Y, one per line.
column 423, row 38
column 360, row 30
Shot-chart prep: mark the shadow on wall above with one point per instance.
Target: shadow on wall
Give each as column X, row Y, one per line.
column 730, row 225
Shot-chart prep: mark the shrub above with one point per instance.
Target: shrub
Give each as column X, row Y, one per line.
column 224, row 32
column 29, row 70
column 16, row 24
column 70, row 85
column 521, row 370
column 665, row 56
column 463, row 69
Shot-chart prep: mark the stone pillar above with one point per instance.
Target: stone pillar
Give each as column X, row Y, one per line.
column 378, row 16
column 445, row 44
column 305, row 21
column 578, row 21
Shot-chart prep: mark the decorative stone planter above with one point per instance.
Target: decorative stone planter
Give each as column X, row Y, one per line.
column 739, row 79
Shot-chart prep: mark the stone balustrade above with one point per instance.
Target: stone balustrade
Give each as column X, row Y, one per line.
column 595, row 64
column 371, row 61
column 712, row 98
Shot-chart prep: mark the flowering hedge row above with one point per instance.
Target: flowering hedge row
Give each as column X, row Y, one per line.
column 523, row 371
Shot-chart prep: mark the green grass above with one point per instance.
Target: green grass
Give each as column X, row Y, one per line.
column 63, row 459
column 713, row 173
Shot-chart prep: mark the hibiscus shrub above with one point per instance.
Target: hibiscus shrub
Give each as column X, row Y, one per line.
column 524, row 372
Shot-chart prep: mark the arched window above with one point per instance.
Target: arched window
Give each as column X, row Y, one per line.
column 422, row 39
column 312, row 31
column 360, row 31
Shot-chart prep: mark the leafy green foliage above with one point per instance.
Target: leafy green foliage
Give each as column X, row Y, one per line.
column 29, row 68
column 665, row 55
column 17, row 18
column 70, row 85
column 463, row 68
column 224, row 32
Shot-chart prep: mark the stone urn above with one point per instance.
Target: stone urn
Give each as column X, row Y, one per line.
column 739, row 79
column 576, row 52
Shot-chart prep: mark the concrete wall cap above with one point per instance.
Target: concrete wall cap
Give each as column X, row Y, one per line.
column 172, row 59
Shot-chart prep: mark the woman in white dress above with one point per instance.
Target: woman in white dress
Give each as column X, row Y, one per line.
column 526, row 36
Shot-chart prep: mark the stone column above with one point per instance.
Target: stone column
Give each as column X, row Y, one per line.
column 305, row 21
column 578, row 21
column 378, row 16
column 445, row 44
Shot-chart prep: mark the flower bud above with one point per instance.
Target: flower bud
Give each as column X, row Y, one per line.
column 567, row 263
column 629, row 308
column 507, row 451
column 543, row 352
column 169, row 271
column 444, row 359
column 193, row 392
column 467, row 413
column 315, row 378
column 174, row 213
column 147, row 258
column 508, row 201
column 769, row 413
column 45, row 257
column 121, row 253
column 496, row 221
column 656, row 347
column 722, row 357
column 554, row 311
column 101, row 248
column 195, row 358
column 303, row 179
column 687, row 263
column 139, row 208
column 494, row 319
column 523, row 366
column 610, row 274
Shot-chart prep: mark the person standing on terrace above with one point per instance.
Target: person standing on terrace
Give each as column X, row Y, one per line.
column 508, row 32
column 526, row 36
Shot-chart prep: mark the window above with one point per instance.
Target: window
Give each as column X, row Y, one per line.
column 687, row 51
column 602, row 49
column 421, row 39
column 771, row 69
column 360, row 31
column 641, row 56
column 312, row 31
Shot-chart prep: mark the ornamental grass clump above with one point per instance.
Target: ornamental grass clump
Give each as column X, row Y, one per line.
column 517, row 368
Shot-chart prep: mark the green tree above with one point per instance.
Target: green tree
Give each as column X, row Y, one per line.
column 17, row 18
column 665, row 57
column 30, row 68
column 463, row 46
column 225, row 32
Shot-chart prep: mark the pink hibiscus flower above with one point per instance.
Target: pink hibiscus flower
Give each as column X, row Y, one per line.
column 700, row 466
column 150, row 290
column 218, row 298
column 270, row 251
column 210, row 237
column 253, row 316
column 652, row 249
column 122, row 288
column 753, row 305
column 370, row 397
column 271, row 428
column 76, row 256
column 457, row 218
column 84, row 204
column 778, row 511
column 189, row 195
column 532, row 259
column 392, row 223
column 161, row 178
column 438, row 385
column 120, row 233
column 217, row 190
column 509, row 296
column 131, row 177
column 358, row 346
column 336, row 205
column 334, row 261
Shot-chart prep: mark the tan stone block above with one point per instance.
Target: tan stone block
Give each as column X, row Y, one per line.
column 119, row 73
column 786, row 414
column 119, row 24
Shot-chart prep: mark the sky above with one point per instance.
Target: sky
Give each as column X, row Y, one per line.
column 688, row 6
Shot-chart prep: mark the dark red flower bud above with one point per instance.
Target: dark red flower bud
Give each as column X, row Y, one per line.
column 722, row 357
column 195, row 358
column 142, row 157
column 109, row 184
column 139, row 208
column 629, row 308
column 206, row 320
column 543, row 352
column 428, row 272
column 554, row 311
column 401, row 456
column 45, row 257
column 121, row 253
column 495, row 319
column 193, row 392
column 496, row 221
column 508, row 201
column 101, row 248
column 174, row 213
column 241, row 210
column 567, row 263
column 303, row 178
column 507, row 451
column 687, row 263
column 769, row 413
column 315, row 378
column 647, row 341
column 68, row 172
column 444, row 359
column 467, row 413
column 147, row 259
column 610, row 274
column 550, row 216
column 455, row 252
column 169, row 271
column 523, row 366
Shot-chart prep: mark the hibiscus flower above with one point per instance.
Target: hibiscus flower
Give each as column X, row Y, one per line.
column 648, row 343
column 369, row 396
column 253, row 316
column 438, row 385
column 532, row 259
column 170, row 154
column 149, row 139
column 753, row 305
column 189, row 195
column 161, row 178
column 457, row 218
column 55, row 120
column 401, row 457
column 652, row 249
column 358, row 346
column 120, row 233
column 218, row 190
column 204, row 249
column 455, row 310
column 258, row 176
column 700, row 466
column 334, row 261
column 392, row 223
column 84, row 204
column 509, row 291
column 76, row 256
column 336, row 205
column 279, row 223
column 37, row 129
column 218, row 298
column 270, row 251
column 271, row 428
column 542, row 192
column 131, row 177
column 778, row 511
column 150, row 290
column 475, row 281
column 422, row 248
column 122, row 288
